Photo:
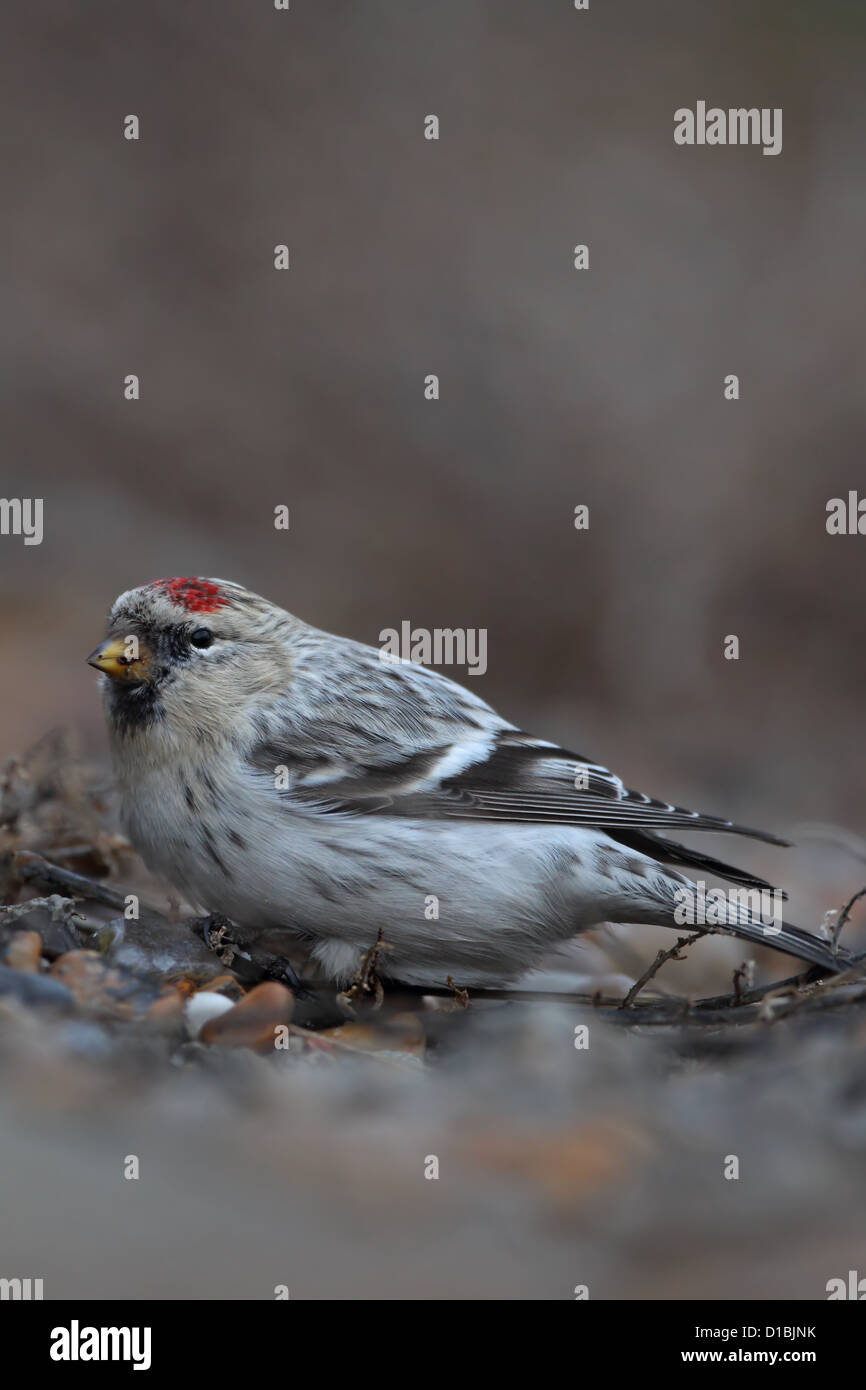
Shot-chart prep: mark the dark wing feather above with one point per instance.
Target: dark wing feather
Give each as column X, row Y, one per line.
column 666, row 851
column 531, row 781
column 517, row 779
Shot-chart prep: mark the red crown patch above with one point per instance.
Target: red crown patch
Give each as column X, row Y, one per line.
column 195, row 595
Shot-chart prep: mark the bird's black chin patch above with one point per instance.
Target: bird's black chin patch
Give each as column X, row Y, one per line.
column 135, row 706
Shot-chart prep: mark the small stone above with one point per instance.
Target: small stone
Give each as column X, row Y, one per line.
column 24, row 951
column 252, row 1022
column 57, row 937
column 186, row 984
column 39, row 990
column 202, row 1008
column 109, row 936
column 95, row 985
column 167, row 1012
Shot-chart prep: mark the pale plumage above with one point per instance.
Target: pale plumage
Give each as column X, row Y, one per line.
column 308, row 789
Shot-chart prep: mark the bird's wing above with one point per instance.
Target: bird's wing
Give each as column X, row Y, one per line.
column 524, row 779
column 361, row 736
column 510, row 776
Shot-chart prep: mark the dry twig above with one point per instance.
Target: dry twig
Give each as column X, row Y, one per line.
column 844, row 915
column 461, row 996
column 744, row 975
column 61, row 909
column 673, row 953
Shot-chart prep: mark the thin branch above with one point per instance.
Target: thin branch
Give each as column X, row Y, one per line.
column 673, row 953
column 32, row 868
column 843, row 917
column 743, row 977
column 61, row 909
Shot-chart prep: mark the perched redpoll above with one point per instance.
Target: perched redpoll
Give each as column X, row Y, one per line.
column 314, row 793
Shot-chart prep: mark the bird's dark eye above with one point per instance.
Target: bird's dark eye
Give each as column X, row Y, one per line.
column 201, row 637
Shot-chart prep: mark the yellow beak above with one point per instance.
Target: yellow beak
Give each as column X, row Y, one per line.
column 121, row 658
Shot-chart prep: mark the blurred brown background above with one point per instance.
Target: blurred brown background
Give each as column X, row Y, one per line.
column 557, row 387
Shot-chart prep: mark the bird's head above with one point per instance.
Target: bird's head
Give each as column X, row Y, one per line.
column 191, row 650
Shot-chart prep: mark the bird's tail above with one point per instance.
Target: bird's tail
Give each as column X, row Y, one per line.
column 795, row 942
column 755, row 916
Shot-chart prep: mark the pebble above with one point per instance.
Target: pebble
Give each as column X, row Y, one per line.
column 94, row 984
column 109, row 936
column 39, row 990
column 24, row 951
column 252, row 1022
column 167, row 1012
column 203, row 1008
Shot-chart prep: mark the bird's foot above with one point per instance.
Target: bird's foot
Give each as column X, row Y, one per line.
column 366, row 991
column 250, row 965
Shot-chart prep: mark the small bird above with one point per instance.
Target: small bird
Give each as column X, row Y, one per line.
column 315, row 793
